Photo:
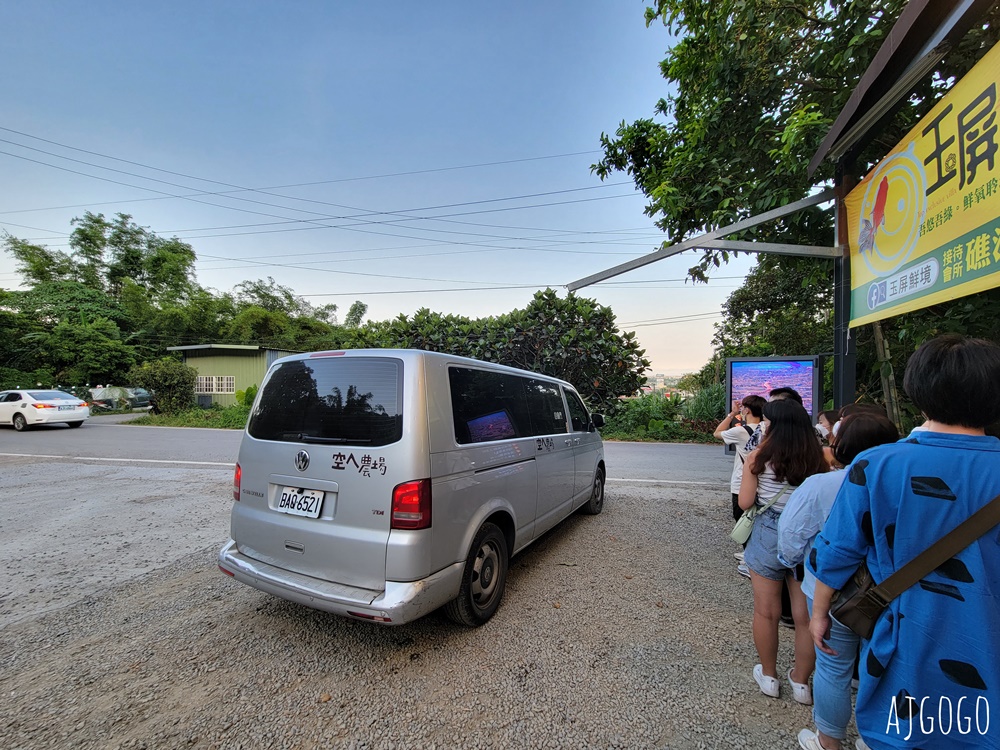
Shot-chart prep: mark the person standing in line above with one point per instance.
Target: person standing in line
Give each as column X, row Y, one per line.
column 804, row 515
column 932, row 661
column 776, row 394
column 788, row 454
column 825, row 422
column 751, row 411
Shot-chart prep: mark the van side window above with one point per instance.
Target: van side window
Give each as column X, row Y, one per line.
column 487, row 406
column 577, row 412
column 546, row 405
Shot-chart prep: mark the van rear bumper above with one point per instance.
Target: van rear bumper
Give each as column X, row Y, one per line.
column 399, row 603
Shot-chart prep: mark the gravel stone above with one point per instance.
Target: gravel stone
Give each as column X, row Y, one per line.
column 650, row 647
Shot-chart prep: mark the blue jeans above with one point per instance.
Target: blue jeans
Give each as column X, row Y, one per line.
column 832, row 680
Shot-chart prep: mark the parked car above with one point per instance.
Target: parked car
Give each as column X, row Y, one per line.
column 25, row 408
column 116, row 397
column 139, row 398
column 384, row 484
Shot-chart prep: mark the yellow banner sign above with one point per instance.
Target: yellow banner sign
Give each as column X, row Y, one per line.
column 925, row 223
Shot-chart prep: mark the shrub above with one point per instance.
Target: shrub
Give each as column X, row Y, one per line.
column 650, row 412
column 232, row 417
column 170, row 380
column 245, row 398
column 707, row 405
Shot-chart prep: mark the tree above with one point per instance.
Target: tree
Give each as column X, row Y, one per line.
column 754, row 87
column 85, row 352
column 355, row 314
column 776, row 312
column 39, row 264
column 572, row 338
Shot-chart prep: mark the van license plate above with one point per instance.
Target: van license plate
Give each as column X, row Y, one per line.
column 300, row 502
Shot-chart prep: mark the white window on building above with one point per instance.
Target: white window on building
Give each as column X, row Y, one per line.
column 215, row 384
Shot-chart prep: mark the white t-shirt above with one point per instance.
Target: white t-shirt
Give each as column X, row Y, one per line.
column 738, row 436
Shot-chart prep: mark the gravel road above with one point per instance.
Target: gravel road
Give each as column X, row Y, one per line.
column 625, row 630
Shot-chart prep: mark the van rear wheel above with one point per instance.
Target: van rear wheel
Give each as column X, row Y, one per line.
column 596, row 502
column 483, row 580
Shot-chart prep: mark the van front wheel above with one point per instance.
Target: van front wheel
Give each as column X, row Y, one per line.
column 483, row 580
column 596, row 502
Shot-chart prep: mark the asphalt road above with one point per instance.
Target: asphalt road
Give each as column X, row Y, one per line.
column 102, row 439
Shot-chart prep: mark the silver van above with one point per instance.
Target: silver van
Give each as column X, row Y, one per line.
column 383, row 484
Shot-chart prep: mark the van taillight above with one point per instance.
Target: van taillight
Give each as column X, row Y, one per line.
column 237, row 476
column 411, row 505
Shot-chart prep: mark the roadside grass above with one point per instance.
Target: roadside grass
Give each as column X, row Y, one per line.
column 229, row 418
column 235, row 418
column 660, row 432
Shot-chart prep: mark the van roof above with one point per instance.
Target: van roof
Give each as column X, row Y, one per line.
column 412, row 355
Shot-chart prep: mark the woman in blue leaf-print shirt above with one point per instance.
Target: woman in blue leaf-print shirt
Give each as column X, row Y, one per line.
column 930, row 675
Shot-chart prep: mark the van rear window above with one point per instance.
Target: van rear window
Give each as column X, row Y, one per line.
column 334, row 400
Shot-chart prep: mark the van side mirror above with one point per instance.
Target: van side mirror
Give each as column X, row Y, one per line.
column 596, row 421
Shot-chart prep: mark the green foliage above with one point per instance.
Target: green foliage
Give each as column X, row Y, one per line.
column 572, row 338
column 245, row 398
column 752, row 87
column 39, row 264
column 657, row 417
column 85, row 352
column 785, row 307
column 170, row 380
column 707, row 405
column 650, row 412
column 125, row 294
column 233, row 417
column 107, row 254
column 355, row 314
column 13, row 378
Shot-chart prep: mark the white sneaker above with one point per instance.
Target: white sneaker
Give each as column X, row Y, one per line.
column 801, row 692
column 769, row 686
column 809, row 740
column 743, row 570
column 738, row 555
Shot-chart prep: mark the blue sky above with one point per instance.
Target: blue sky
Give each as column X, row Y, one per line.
column 354, row 151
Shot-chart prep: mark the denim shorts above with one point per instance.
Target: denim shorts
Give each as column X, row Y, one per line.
column 761, row 554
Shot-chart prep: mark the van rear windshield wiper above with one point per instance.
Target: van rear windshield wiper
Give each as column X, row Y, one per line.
column 330, row 440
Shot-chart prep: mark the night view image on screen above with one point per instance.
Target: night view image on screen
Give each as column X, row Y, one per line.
column 495, row 426
column 760, row 377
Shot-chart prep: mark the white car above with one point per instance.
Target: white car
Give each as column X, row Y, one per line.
column 26, row 408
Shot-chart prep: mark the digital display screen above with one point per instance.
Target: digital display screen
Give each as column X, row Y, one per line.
column 759, row 377
column 495, row 426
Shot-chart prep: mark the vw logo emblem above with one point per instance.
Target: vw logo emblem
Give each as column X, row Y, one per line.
column 301, row 460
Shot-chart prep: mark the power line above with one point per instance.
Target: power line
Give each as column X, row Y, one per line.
column 316, row 224
column 265, row 191
column 675, row 319
column 305, row 184
column 432, row 291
